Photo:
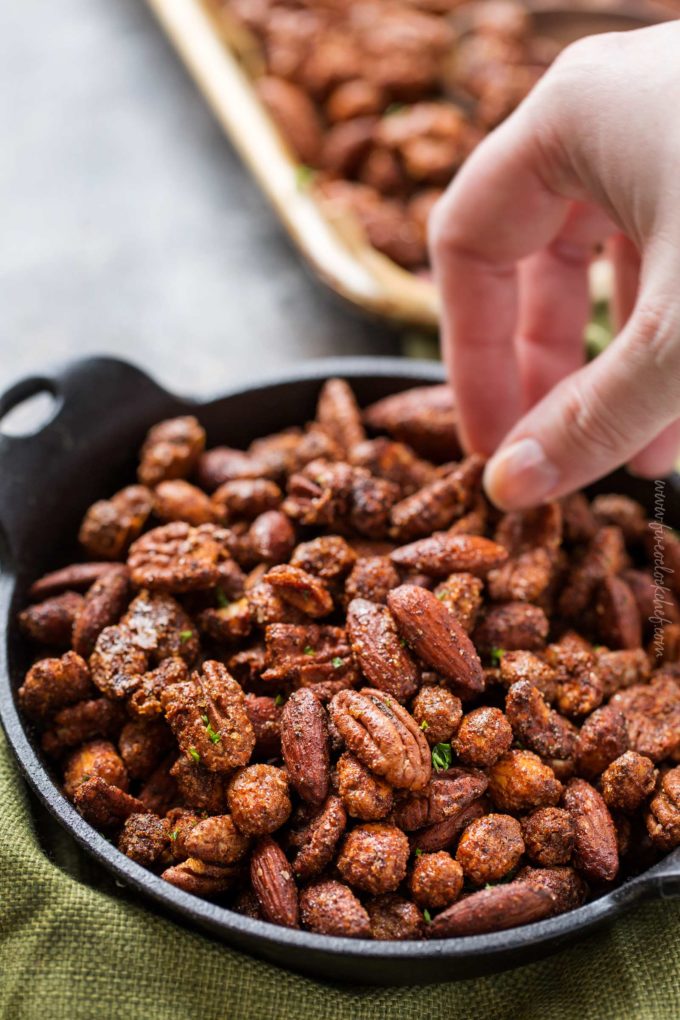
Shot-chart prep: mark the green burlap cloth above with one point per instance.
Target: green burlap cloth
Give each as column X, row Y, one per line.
column 73, row 946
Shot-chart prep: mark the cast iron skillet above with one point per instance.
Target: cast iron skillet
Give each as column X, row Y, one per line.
column 88, row 448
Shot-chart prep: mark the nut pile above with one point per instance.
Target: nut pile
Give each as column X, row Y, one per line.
column 381, row 101
column 324, row 682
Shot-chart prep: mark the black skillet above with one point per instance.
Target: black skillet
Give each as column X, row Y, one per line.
column 103, row 408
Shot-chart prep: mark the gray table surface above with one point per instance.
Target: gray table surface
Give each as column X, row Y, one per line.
column 127, row 223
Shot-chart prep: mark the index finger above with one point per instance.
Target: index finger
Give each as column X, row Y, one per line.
column 497, row 211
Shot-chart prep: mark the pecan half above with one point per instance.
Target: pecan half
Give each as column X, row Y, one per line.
column 317, row 839
column 177, row 557
column 208, row 716
column 382, row 734
column 304, row 591
column 200, row 878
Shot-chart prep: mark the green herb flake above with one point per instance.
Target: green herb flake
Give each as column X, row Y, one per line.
column 394, row 108
column 496, row 655
column 173, row 835
column 442, row 757
column 308, row 650
column 212, row 735
column 489, row 885
column 337, row 662
column 279, row 700
column 205, row 720
column 221, row 599
column 193, row 753
column 402, row 642
column 424, row 725
column 185, row 635
column 428, row 916
column 441, row 595
column 304, row 176
column 418, row 852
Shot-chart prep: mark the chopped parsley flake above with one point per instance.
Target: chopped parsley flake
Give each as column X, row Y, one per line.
column 442, row 757
column 496, row 655
column 173, row 835
column 441, row 595
column 221, row 598
column 185, row 635
column 193, row 753
column 205, row 720
column 308, row 650
column 424, row 725
column 279, row 700
column 212, row 735
column 427, row 915
column 304, row 176
column 337, row 662
column 418, row 852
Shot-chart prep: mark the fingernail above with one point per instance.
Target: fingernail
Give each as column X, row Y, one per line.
column 520, row 476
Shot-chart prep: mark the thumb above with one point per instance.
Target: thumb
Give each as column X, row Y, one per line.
column 596, row 419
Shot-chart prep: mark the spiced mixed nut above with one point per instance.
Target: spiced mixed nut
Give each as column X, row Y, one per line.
column 326, row 683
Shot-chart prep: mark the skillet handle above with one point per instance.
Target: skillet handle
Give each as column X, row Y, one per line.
column 666, row 876
column 89, row 396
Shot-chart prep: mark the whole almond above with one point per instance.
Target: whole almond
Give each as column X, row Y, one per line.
column 295, row 116
column 443, row 554
column 502, row 906
column 596, row 854
column 375, row 642
column 304, row 745
column 272, row 879
column 436, row 636
column 338, row 413
column 424, row 418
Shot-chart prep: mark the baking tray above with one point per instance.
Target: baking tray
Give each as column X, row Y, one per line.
column 222, row 58
column 103, row 408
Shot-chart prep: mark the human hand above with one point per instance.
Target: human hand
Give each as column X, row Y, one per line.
column 591, row 156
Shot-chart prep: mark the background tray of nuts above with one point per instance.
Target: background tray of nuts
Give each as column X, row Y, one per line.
column 353, row 117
